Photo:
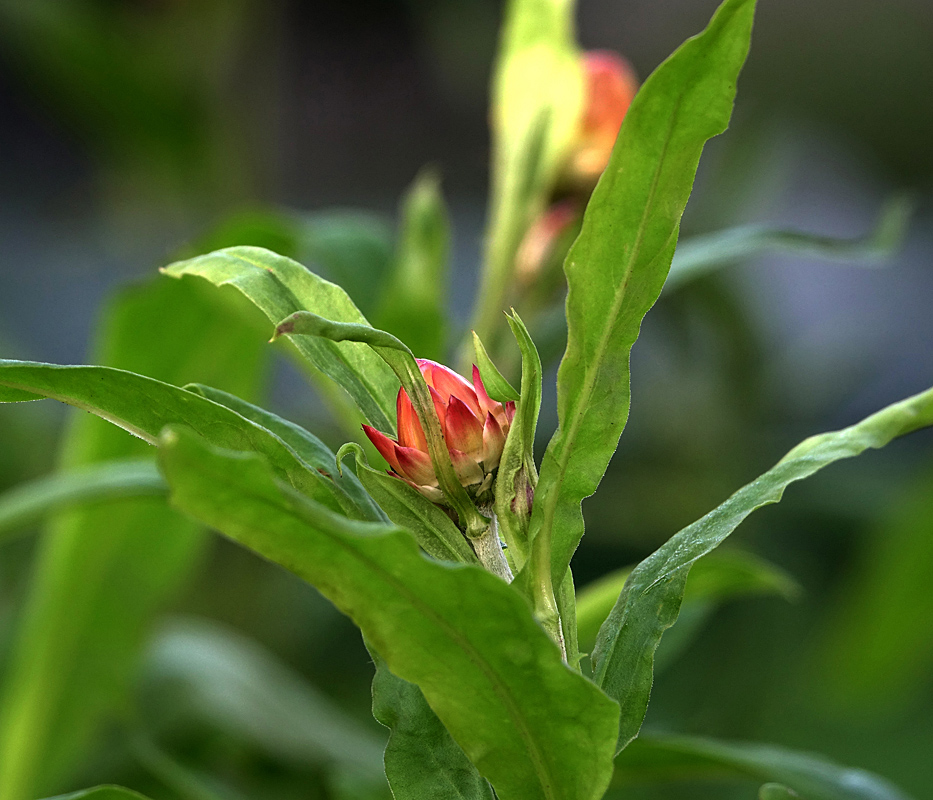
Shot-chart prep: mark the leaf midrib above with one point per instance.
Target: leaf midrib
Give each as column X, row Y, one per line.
column 592, row 373
column 498, row 686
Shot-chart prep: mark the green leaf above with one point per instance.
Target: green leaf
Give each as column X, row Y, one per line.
column 28, row 503
column 812, row 776
column 702, row 254
column 497, row 387
column 716, row 577
column 102, row 572
column 413, row 303
column 221, row 677
column 652, row 596
column 143, row 406
column 434, row 531
column 533, row 727
column 402, row 362
column 538, row 95
column 311, row 450
column 422, row 761
column 617, row 266
column 102, row 793
column 279, row 287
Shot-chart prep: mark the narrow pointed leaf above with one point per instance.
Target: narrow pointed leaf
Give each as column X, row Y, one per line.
column 497, row 387
column 533, row 727
column 279, row 287
column 651, row 598
column 811, row 776
column 617, row 266
column 701, row 254
column 143, row 406
column 422, row 761
column 26, row 504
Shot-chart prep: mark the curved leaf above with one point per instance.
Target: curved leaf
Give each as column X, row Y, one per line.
column 102, row 793
column 143, row 406
column 618, row 265
column 29, row 502
column 652, row 596
column 532, row 726
column 279, row 287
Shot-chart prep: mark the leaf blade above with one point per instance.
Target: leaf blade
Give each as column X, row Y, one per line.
column 652, row 596
column 634, row 211
column 535, row 728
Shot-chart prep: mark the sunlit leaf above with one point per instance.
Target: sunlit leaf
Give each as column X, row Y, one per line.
column 651, row 598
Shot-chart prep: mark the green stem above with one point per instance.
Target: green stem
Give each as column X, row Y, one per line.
column 488, row 550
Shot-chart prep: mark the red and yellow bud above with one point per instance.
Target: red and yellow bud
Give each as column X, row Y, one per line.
column 474, row 427
column 610, row 88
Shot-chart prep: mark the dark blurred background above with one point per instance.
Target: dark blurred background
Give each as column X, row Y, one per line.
column 131, row 130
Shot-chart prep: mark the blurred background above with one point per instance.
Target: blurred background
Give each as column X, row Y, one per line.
column 132, row 133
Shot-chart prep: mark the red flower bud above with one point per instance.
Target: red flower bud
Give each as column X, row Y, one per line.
column 474, row 428
column 610, row 88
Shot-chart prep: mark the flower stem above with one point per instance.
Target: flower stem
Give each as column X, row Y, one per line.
column 488, row 550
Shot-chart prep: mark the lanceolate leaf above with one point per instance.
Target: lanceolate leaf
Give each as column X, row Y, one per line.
column 25, row 504
column 617, row 266
column 279, row 287
column 533, row 727
column 652, row 596
column 143, row 406
column 422, row 761
column 811, row 776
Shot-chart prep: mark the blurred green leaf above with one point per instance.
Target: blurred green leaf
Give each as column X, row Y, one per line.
column 532, row 726
column 279, row 287
column 143, row 406
column 716, row 577
column 702, row 254
column 102, row 793
column 102, row 572
column 536, row 106
column 651, row 598
column 618, row 265
column 876, row 648
column 30, row 502
column 776, row 791
column 422, row 761
column 813, row 777
column 414, row 298
column 220, row 676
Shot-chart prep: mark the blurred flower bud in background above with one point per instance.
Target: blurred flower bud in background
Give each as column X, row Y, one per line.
column 474, row 427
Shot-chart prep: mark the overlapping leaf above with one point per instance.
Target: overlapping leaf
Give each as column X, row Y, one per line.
column 618, row 265
column 279, row 287
column 533, row 727
column 652, row 596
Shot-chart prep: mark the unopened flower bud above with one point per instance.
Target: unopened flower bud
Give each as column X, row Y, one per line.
column 474, row 427
column 610, row 88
